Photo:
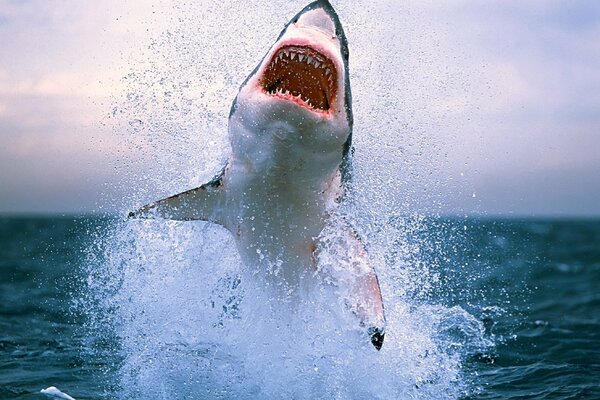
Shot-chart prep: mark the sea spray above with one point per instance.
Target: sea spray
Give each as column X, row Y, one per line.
column 192, row 321
column 188, row 320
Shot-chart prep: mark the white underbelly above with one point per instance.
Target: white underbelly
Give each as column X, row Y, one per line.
column 279, row 239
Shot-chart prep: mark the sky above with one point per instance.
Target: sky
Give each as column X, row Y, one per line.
column 462, row 107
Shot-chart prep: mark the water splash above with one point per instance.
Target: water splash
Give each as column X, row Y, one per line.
column 190, row 321
column 174, row 302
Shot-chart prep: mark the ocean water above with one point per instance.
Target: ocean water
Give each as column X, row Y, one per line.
column 477, row 309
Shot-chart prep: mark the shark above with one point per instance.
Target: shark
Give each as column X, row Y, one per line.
column 290, row 168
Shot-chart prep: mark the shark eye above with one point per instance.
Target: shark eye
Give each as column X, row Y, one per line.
column 303, row 74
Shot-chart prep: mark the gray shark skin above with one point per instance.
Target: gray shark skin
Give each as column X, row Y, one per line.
column 290, row 129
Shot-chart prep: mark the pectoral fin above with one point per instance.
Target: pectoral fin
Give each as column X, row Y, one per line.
column 368, row 304
column 349, row 267
column 203, row 203
column 365, row 295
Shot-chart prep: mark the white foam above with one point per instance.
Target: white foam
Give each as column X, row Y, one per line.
column 192, row 322
column 54, row 392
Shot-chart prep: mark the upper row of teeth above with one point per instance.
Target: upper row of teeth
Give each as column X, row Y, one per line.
column 302, row 58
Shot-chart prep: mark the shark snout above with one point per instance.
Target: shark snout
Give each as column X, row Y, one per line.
column 321, row 17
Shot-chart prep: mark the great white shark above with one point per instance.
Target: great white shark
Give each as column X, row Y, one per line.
column 290, row 129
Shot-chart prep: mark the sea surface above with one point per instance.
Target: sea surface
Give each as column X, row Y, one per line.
column 477, row 309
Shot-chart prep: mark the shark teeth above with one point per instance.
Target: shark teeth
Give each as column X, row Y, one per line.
column 303, row 74
column 297, row 55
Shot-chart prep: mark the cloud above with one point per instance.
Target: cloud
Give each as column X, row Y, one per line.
column 519, row 102
column 492, row 91
column 60, row 84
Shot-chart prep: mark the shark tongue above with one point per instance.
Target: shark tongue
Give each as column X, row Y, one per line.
column 302, row 73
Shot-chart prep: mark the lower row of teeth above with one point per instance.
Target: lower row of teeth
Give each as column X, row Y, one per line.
column 298, row 96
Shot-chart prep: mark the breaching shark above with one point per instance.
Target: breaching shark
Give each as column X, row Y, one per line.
column 290, row 129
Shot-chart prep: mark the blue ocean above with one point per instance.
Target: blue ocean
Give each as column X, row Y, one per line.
column 477, row 308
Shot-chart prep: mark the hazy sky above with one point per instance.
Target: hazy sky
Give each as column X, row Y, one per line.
column 501, row 100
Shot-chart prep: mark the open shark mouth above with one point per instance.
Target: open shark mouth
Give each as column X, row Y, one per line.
column 303, row 75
